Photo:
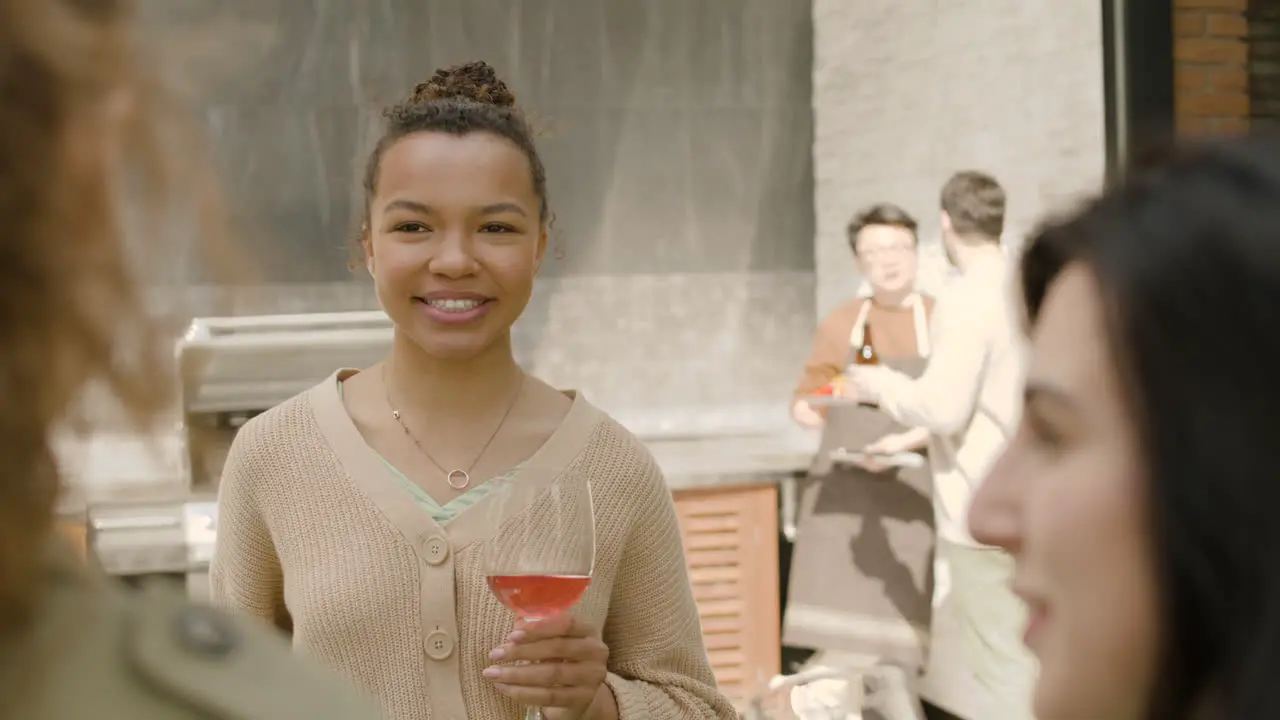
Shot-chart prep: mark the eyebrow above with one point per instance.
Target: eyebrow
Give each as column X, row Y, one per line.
column 423, row 208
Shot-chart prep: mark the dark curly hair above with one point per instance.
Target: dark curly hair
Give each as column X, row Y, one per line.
column 459, row 100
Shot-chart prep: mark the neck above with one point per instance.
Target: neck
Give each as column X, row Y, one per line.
column 969, row 253
column 890, row 298
column 456, row 388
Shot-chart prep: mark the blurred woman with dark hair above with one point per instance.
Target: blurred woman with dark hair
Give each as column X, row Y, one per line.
column 1139, row 492
column 77, row 113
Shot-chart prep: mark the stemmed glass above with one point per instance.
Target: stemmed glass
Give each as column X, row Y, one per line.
column 539, row 560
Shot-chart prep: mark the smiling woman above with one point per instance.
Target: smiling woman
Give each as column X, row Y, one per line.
column 464, row 207
column 382, row 577
column 457, row 186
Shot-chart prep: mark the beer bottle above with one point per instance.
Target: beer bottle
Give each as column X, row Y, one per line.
column 866, row 354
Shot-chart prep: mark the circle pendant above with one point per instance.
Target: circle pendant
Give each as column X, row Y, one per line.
column 458, row 479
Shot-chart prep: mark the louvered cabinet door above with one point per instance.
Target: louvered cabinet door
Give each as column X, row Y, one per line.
column 731, row 547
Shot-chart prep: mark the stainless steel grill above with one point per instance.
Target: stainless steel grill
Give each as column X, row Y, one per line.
column 150, row 507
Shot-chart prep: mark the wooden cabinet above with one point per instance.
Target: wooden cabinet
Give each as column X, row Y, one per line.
column 731, row 545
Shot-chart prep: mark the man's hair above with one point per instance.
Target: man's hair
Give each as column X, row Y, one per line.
column 975, row 203
column 879, row 214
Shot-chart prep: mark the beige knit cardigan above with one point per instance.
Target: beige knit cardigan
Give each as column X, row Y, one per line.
column 314, row 534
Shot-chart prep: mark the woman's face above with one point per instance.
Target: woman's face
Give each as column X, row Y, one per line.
column 454, row 240
column 1068, row 500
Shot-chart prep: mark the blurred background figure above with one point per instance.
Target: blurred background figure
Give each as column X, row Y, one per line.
column 967, row 400
column 77, row 117
column 861, row 575
column 1138, row 494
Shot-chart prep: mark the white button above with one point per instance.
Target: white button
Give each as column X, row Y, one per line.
column 439, row 645
column 436, row 550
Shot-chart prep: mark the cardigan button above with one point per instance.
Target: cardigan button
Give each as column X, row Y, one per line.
column 439, row 645
column 436, row 550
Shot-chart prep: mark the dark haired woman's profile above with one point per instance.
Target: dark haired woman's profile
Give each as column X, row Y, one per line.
column 397, row 465
column 77, row 111
column 1139, row 493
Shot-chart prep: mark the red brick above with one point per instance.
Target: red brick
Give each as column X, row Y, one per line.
column 1210, row 50
column 1224, row 24
column 1189, row 23
column 1229, row 78
column 1192, row 126
column 1190, row 77
column 1228, row 126
column 1211, row 4
column 1212, row 104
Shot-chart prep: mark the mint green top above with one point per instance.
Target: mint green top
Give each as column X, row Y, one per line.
column 442, row 514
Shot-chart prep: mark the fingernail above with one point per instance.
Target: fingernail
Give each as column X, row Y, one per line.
column 516, row 636
column 497, row 654
column 492, row 672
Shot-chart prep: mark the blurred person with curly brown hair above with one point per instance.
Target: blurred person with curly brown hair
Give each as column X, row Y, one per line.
column 76, row 114
column 356, row 513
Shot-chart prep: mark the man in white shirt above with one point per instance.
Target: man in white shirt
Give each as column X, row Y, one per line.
column 968, row 399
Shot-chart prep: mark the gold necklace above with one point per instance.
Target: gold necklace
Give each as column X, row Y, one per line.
column 464, row 476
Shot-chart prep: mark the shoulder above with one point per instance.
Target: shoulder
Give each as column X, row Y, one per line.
column 155, row 654
column 619, row 460
column 279, row 421
column 844, row 315
column 961, row 291
column 291, row 424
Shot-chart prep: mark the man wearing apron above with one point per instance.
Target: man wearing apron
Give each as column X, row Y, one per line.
column 861, row 581
column 969, row 398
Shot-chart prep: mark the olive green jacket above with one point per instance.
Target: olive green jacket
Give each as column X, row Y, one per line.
column 99, row 651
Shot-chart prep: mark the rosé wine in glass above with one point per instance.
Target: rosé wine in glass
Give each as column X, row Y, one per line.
column 538, row 597
column 540, row 555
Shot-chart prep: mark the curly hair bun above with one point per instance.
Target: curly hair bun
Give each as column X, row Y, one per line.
column 476, row 82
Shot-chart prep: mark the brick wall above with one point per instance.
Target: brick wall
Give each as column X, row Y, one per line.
column 1264, row 63
column 1211, row 61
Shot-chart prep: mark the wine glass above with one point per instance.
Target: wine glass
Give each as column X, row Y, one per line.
column 538, row 562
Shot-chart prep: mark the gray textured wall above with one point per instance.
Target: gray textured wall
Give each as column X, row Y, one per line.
column 908, row 91
column 678, row 155
column 687, row 166
column 677, row 134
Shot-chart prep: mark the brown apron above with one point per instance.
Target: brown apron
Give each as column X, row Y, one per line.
column 862, row 569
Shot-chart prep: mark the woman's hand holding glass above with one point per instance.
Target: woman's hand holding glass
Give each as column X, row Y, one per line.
column 563, row 667
column 538, row 563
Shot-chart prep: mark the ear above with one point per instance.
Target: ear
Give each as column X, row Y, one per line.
column 541, row 251
column 367, row 244
column 945, row 220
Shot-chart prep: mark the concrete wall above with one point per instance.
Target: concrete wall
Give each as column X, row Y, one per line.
column 908, row 91
column 694, row 146
column 678, row 157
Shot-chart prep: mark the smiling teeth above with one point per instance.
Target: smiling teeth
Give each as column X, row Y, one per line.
column 457, row 306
